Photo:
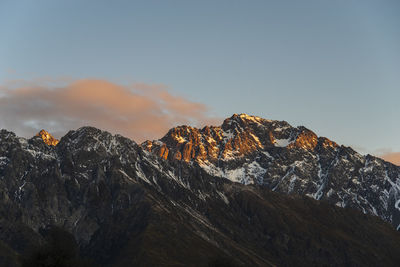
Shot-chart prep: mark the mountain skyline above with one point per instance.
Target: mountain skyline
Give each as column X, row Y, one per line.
column 139, row 111
column 292, row 160
column 332, row 66
column 50, row 140
column 253, row 191
column 199, row 133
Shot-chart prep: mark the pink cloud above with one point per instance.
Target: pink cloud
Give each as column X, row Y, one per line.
column 393, row 157
column 140, row 111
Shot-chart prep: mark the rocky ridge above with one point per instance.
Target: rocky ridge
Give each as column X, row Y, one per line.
column 129, row 204
column 238, row 136
column 291, row 160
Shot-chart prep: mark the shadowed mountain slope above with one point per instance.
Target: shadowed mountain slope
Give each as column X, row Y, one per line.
column 127, row 206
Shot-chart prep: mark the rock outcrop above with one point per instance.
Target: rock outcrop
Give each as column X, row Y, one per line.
column 47, row 138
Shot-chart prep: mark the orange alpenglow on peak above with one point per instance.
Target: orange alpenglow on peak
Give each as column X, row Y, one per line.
column 48, row 138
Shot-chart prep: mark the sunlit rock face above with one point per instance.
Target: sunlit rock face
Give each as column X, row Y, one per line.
column 292, row 160
column 239, row 139
column 47, row 138
column 238, row 136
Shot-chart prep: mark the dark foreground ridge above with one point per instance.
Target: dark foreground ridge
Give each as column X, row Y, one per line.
column 126, row 206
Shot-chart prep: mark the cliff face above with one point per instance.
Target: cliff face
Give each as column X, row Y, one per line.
column 238, row 136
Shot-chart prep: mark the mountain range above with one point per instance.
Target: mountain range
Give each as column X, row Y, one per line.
column 273, row 154
column 251, row 192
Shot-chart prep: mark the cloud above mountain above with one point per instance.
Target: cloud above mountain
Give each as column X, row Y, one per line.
column 393, row 157
column 139, row 111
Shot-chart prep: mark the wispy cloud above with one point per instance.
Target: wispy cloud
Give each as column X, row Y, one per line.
column 393, row 157
column 388, row 154
column 140, row 111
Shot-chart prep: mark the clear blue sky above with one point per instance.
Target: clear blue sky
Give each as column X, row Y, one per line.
column 333, row 66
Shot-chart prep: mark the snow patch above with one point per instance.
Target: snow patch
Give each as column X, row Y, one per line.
column 397, row 204
column 330, row 192
column 3, row 161
column 267, row 154
column 292, row 183
column 228, row 135
column 224, row 198
column 39, row 154
column 245, row 175
column 288, row 174
column 282, row 142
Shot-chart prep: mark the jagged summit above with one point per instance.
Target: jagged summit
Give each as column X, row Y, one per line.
column 47, row 138
column 247, row 118
column 244, row 119
column 239, row 135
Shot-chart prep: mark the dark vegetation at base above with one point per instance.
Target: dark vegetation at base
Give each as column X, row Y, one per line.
column 59, row 250
column 257, row 228
column 223, row 262
column 8, row 257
